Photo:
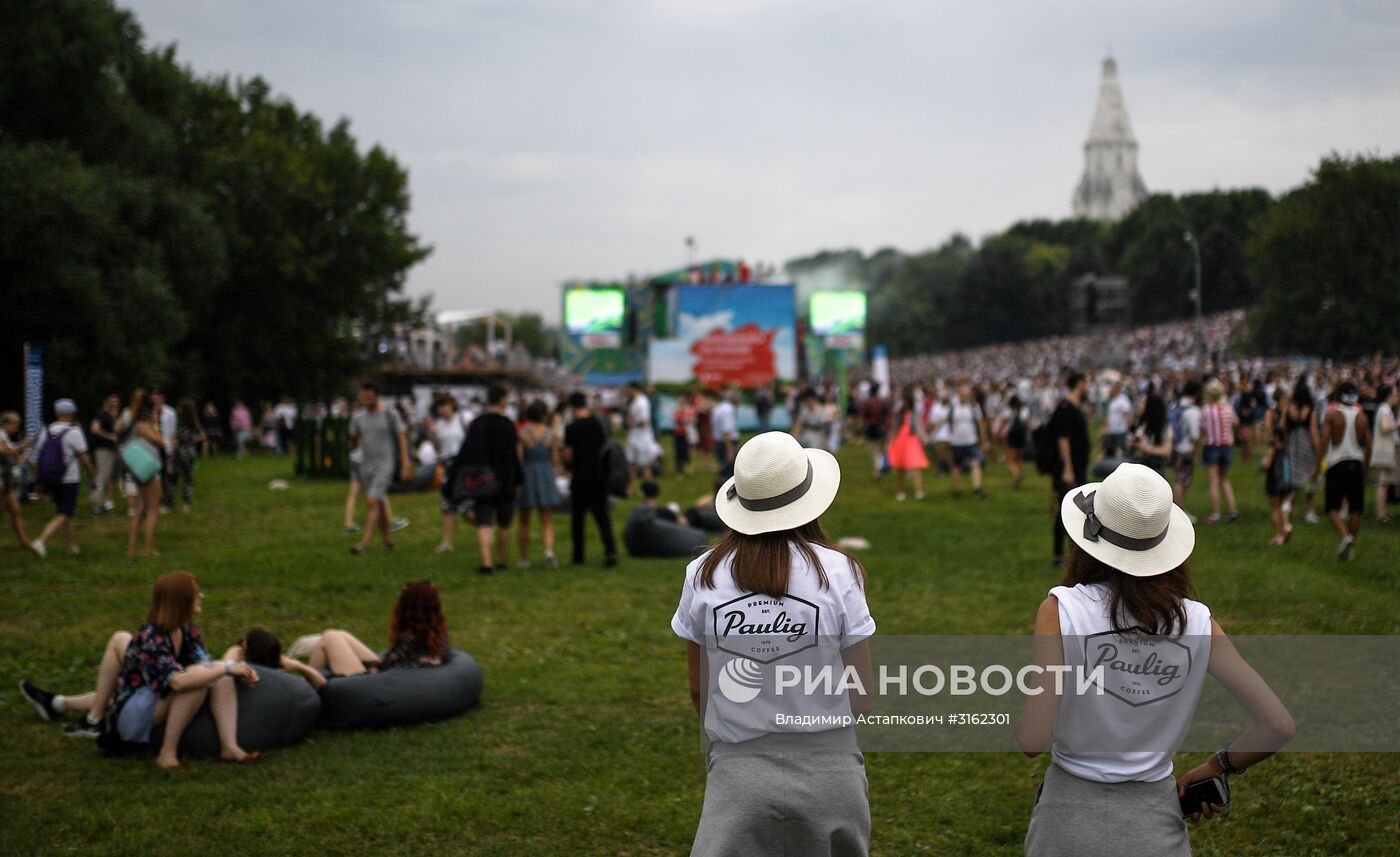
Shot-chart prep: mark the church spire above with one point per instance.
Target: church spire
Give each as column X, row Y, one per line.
column 1110, row 186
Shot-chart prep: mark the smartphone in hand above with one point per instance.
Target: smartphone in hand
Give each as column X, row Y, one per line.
column 1211, row 791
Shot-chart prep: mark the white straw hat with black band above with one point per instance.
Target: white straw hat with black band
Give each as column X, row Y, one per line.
column 1129, row 522
column 777, row 485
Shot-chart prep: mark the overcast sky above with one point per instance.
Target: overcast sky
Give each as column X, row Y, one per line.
column 585, row 139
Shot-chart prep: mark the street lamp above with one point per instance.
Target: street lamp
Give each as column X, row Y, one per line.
column 690, row 246
column 1196, row 296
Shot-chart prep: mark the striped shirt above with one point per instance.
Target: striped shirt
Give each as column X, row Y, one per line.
column 1218, row 425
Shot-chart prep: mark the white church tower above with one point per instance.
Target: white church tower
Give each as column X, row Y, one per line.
column 1111, row 186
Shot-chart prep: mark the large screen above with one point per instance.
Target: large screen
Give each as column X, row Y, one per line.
column 593, row 311
column 836, row 313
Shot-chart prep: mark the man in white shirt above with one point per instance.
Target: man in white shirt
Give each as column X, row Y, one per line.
column 642, row 447
column 1120, row 411
column 724, row 424
column 74, row 450
column 168, row 423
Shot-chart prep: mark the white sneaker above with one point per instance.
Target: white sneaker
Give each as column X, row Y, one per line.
column 39, row 548
column 1345, row 547
column 75, row 550
column 108, row 505
column 1312, row 518
column 522, row 565
column 1287, row 508
column 444, row 548
column 899, row 496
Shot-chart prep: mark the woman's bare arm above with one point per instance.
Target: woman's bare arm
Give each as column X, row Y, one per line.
column 1036, row 728
column 695, row 667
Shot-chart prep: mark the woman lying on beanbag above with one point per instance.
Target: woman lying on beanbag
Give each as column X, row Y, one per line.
column 417, row 638
column 262, row 647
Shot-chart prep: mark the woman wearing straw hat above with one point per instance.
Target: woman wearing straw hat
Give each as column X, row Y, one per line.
column 1109, row 790
column 785, row 773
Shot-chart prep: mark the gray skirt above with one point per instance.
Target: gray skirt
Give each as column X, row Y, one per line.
column 779, row 796
column 1075, row 817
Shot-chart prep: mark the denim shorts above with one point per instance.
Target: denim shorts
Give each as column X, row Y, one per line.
column 138, row 717
column 1222, row 456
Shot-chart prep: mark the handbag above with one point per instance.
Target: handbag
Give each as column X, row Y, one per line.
column 141, row 458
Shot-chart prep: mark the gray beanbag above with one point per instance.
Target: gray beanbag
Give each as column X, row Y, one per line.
column 401, row 697
column 648, row 535
column 278, row 712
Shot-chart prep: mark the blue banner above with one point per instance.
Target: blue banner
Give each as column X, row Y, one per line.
column 33, row 390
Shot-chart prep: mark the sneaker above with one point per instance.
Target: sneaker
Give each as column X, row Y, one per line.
column 41, row 699
column 1234, row 516
column 108, row 505
column 75, row 550
column 357, row 549
column 166, row 510
column 523, row 565
column 1346, row 547
column 899, row 496
column 486, row 569
column 1312, row 518
column 1287, row 508
column 354, row 530
column 388, row 547
column 980, row 494
column 39, row 548
column 444, row 548
column 1213, row 518
column 610, row 562
column 550, row 562
column 919, row 496
column 398, row 524
column 185, row 509
column 83, row 729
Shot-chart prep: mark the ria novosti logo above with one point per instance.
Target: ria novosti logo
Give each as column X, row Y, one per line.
column 740, row 680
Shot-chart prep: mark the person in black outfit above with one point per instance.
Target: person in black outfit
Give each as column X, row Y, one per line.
column 1069, row 431
column 583, row 439
column 491, row 442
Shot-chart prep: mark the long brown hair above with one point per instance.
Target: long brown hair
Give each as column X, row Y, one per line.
column 419, row 612
column 763, row 562
column 1147, row 605
column 172, row 601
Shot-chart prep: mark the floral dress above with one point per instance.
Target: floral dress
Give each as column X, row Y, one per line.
column 151, row 661
column 409, row 652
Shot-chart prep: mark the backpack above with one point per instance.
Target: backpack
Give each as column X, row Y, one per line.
column 1046, row 455
column 51, row 463
column 614, row 472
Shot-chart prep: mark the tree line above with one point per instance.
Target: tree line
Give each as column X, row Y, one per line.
column 158, row 227
column 1318, row 268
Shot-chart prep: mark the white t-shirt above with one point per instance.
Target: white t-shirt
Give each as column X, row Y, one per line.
column 427, row 453
column 168, row 421
column 963, row 423
column 1119, row 410
column 748, row 636
column 74, row 444
column 450, row 434
column 1151, row 684
column 639, row 413
column 938, row 423
column 1190, row 428
column 286, row 413
column 724, row 421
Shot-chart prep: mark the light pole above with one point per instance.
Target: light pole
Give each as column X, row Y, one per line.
column 1196, row 295
column 690, row 246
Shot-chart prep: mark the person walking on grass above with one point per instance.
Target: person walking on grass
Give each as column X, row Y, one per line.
column 1304, row 449
column 12, row 451
column 584, row 439
column 240, row 422
column 61, row 451
column 1068, row 430
column 967, row 434
column 1383, row 449
column 1128, row 585
column 724, row 421
column 167, row 422
column 490, row 454
column 642, row 448
column 1278, row 480
column 776, row 561
column 189, row 439
column 103, row 434
column 144, row 429
column 161, row 675
column 539, row 462
column 1120, row 412
column 1185, row 420
column 1348, row 437
column 1018, row 437
column 1218, row 437
column 875, row 419
column 379, row 434
column 448, row 430
column 906, row 451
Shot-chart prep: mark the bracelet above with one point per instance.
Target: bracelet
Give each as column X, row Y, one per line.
column 228, row 670
column 1222, row 758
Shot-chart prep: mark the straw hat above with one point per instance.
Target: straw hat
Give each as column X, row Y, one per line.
column 777, row 485
column 1129, row 522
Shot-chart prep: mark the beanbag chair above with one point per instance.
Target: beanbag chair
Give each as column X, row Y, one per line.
column 402, row 697
column 648, row 535
column 278, row 712
column 705, row 518
column 1103, row 469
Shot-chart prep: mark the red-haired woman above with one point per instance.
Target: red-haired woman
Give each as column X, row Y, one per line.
column 160, row 675
column 417, row 638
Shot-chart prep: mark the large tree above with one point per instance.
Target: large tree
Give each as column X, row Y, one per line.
column 1327, row 261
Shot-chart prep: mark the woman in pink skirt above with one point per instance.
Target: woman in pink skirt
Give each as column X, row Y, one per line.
column 906, row 451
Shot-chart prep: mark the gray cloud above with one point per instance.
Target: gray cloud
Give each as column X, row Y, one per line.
column 549, row 140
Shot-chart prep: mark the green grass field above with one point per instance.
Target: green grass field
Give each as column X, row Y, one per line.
column 585, row 742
